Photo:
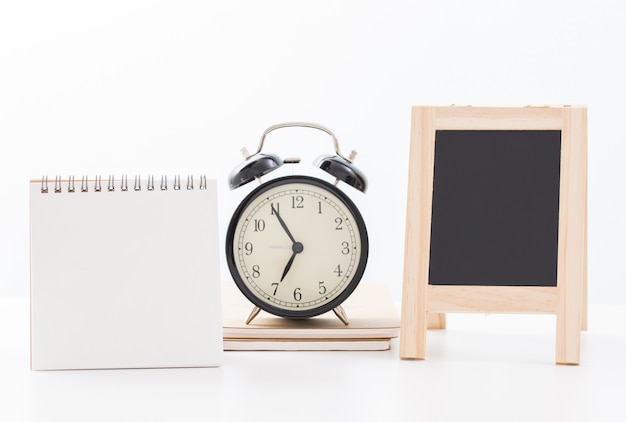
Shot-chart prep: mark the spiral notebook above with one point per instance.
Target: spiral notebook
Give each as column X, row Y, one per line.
column 124, row 274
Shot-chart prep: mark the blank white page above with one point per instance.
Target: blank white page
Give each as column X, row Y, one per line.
column 124, row 279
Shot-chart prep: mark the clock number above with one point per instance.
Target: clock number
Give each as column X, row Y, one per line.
column 297, row 295
column 322, row 289
column 275, row 210
column 345, row 248
column 275, row 286
column 259, row 225
column 248, row 248
column 256, row 271
column 297, row 202
column 339, row 222
column 338, row 271
column 319, row 207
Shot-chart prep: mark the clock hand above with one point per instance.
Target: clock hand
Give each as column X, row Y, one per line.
column 296, row 248
column 282, row 223
column 288, row 267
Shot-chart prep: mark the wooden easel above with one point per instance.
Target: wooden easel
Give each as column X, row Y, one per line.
column 424, row 305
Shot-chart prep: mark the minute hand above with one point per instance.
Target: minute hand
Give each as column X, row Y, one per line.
column 283, row 225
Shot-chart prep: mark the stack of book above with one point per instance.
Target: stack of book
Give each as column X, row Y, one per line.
column 370, row 310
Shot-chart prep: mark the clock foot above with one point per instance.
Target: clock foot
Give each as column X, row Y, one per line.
column 341, row 314
column 253, row 313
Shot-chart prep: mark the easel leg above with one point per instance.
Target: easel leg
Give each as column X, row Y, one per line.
column 414, row 318
column 571, row 312
column 571, row 316
column 436, row 321
column 584, row 316
column 568, row 327
column 584, row 299
column 413, row 331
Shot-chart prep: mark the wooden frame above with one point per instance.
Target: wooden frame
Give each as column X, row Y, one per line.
column 423, row 305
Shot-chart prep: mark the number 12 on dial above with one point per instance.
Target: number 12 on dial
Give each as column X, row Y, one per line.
column 297, row 247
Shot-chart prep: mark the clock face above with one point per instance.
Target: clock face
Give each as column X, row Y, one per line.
column 296, row 246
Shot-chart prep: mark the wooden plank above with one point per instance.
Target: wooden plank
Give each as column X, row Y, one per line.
column 496, row 299
column 572, row 227
column 500, row 118
column 417, row 241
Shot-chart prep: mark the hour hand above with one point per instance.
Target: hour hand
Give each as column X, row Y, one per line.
column 288, row 267
column 296, row 248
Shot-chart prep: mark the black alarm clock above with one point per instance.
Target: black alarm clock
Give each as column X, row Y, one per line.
column 297, row 246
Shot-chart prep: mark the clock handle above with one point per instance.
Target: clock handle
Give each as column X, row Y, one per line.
column 349, row 159
column 338, row 166
column 260, row 164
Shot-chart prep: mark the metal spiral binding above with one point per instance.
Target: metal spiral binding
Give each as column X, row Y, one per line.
column 71, row 186
column 57, row 184
column 111, row 184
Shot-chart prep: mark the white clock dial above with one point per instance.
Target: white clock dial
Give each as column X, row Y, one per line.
column 297, row 246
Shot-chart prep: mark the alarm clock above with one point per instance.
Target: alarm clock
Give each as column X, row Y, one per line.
column 297, row 246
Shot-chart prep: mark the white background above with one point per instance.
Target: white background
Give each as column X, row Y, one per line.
column 178, row 87
column 151, row 87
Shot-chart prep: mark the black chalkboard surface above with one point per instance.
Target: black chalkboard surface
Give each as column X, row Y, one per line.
column 495, row 209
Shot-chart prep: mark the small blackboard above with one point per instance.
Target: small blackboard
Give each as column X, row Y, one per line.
column 495, row 211
column 496, row 219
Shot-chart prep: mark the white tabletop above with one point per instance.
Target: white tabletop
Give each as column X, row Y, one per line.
column 495, row 367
